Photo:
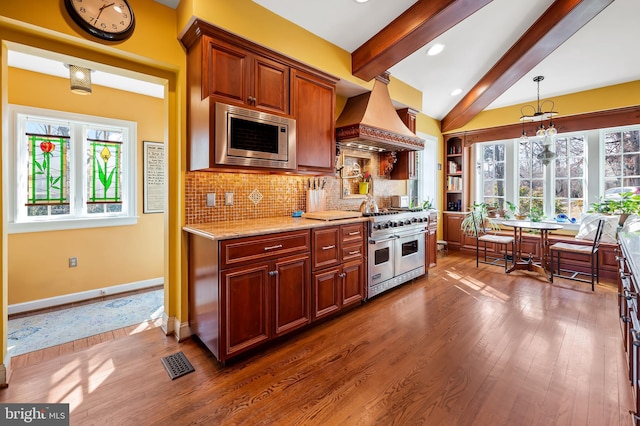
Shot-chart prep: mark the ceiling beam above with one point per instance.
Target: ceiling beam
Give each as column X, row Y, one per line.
column 416, row 27
column 556, row 25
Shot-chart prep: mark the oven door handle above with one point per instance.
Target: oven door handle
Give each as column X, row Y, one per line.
column 382, row 240
column 411, row 233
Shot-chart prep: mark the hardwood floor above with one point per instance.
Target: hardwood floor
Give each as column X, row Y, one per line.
column 464, row 346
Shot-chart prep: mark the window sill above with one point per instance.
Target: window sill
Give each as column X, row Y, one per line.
column 63, row 225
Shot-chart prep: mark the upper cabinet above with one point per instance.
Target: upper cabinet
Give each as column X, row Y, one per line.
column 222, row 67
column 406, row 166
column 237, row 75
column 313, row 105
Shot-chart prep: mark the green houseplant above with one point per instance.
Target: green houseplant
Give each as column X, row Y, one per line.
column 627, row 204
column 477, row 211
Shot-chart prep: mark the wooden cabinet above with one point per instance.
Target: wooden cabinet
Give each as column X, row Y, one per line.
column 338, row 273
column 313, row 105
column 262, row 292
column 222, row 67
column 236, row 75
column 406, row 166
column 454, row 173
column 431, row 241
column 451, row 228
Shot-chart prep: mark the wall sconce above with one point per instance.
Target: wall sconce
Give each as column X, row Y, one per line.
column 80, row 79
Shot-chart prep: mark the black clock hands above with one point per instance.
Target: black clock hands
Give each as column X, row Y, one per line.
column 101, row 9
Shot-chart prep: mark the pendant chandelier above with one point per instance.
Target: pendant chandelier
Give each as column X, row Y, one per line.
column 530, row 113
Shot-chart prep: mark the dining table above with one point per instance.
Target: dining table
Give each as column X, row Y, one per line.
column 543, row 266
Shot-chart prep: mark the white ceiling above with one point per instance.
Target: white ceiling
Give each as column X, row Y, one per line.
column 602, row 53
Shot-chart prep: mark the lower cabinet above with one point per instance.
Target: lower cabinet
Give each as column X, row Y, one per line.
column 341, row 284
column 244, row 292
column 264, row 301
column 451, row 228
column 337, row 288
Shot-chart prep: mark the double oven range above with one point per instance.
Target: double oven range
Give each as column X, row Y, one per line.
column 396, row 248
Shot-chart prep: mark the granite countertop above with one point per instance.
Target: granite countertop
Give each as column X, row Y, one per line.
column 631, row 243
column 252, row 227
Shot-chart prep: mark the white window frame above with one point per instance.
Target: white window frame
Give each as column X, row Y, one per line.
column 16, row 179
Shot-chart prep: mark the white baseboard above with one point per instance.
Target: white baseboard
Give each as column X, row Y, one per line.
column 83, row 295
column 171, row 325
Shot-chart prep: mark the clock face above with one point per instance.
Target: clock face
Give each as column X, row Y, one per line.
column 111, row 20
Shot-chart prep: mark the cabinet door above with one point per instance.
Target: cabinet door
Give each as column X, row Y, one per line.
column 405, row 167
column 326, row 293
column 451, row 228
column 292, row 299
column 352, row 282
column 325, row 247
column 245, row 308
column 313, row 105
column 431, row 247
column 270, row 85
column 226, row 72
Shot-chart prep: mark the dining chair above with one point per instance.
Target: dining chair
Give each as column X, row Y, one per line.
column 501, row 241
column 578, row 252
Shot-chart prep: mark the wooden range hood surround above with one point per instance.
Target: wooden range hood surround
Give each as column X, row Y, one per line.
column 371, row 120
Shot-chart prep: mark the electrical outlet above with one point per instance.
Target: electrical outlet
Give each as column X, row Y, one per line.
column 73, row 262
column 211, row 199
column 228, row 198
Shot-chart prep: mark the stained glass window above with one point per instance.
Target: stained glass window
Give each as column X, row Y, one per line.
column 69, row 168
column 48, row 182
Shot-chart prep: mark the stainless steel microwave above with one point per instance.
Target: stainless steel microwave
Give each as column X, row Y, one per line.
column 250, row 138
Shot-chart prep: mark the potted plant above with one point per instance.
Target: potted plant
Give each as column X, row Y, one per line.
column 603, row 206
column 513, row 210
column 491, row 209
column 627, row 204
column 477, row 211
column 536, row 214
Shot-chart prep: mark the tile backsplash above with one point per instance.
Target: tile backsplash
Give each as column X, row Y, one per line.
column 257, row 196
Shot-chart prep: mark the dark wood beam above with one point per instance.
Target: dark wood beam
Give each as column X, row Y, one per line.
column 416, row 27
column 626, row 116
column 559, row 22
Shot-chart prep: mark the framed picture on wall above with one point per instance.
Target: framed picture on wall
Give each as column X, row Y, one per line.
column 154, row 177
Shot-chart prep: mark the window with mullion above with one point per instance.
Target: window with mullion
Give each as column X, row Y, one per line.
column 569, row 175
column 621, row 160
column 66, row 168
column 493, row 174
column 531, row 182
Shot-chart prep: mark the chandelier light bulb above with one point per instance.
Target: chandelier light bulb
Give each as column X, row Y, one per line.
column 552, row 131
column 541, row 132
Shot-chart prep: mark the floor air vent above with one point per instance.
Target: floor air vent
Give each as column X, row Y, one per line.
column 177, row 365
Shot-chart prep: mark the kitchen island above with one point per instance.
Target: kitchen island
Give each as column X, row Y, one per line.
column 253, row 281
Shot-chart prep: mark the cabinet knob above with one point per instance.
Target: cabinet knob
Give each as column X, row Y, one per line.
column 342, row 275
column 273, row 273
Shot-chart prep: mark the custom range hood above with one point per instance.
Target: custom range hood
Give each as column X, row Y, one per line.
column 370, row 121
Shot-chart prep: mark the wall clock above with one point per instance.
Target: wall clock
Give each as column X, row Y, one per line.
column 111, row 20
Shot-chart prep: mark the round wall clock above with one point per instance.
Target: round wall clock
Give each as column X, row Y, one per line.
column 110, row 20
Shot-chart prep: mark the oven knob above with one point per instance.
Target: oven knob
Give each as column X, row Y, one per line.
column 395, row 224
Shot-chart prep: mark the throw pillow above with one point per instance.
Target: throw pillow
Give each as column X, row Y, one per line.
column 632, row 224
column 589, row 225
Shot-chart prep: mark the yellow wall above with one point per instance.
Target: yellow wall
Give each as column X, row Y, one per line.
column 38, row 262
column 154, row 51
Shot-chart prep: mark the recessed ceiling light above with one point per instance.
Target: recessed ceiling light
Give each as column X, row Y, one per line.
column 456, row 92
column 435, row 49
column 361, row 1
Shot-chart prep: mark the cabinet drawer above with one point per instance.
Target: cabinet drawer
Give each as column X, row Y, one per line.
column 352, row 233
column 326, row 247
column 250, row 249
column 352, row 251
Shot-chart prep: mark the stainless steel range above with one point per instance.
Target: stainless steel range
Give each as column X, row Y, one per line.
column 396, row 248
